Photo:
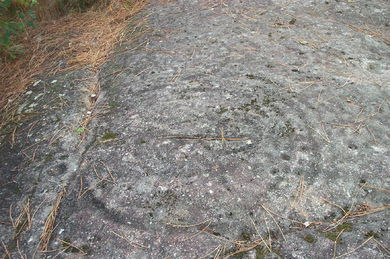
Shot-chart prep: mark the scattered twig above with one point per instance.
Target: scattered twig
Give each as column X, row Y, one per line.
column 71, row 245
column 220, row 251
column 177, row 75
column 211, row 252
column 81, row 192
column 203, row 231
column 187, row 225
column 333, row 204
column 24, row 220
column 129, row 241
column 200, row 232
column 335, row 243
column 269, row 233
column 49, row 223
column 258, row 233
column 299, row 194
column 292, row 220
column 22, row 256
column 364, row 185
column 109, row 172
column 255, row 244
column 236, row 242
column 204, row 138
column 372, row 33
column 338, row 222
column 57, row 135
column 324, row 136
column 60, row 251
column 372, row 134
column 356, row 248
column 12, row 141
column 280, row 230
column 387, row 249
column 365, row 209
column 7, row 253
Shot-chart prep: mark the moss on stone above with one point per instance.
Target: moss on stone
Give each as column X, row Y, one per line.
column 63, row 157
column 48, row 158
column 332, row 236
column 309, row 238
column 372, row 234
column 261, row 252
column 108, row 135
column 347, row 227
column 222, row 110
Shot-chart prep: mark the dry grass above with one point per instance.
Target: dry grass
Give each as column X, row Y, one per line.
column 24, row 220
column 261, row 243
column 165, row 2
column 350, row 252
column 354, row 211
column 359, row 210
column 71, row 42
column 49, row 223
column 372, row 32
column 366, row 209
column 67, row 245
column 221, row 250
column 6, row 254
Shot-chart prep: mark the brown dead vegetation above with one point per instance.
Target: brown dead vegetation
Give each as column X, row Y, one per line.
column 76, row 40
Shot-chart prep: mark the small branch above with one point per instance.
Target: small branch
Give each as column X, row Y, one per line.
column 356, row 248
column 129, row 241
column 204, row 138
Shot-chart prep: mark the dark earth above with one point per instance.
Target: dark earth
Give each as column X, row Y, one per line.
column 228, row 129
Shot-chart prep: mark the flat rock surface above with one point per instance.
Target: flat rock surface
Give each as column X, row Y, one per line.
column 242, row 129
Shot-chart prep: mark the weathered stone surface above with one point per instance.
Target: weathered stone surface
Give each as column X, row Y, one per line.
column 40, row 156
column 236, row 121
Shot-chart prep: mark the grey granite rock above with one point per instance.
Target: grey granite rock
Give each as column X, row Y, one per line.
column 238, row 128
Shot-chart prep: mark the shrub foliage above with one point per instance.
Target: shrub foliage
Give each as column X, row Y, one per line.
column 15, row 17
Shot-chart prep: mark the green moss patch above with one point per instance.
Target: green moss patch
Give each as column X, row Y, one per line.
column 48, row 158
column 222, row 110
column 309, row 238
column 346, row 227
column 372, row 234
column 332, row 236
column 108, row 135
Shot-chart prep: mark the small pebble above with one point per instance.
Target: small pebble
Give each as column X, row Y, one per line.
column 37, row 82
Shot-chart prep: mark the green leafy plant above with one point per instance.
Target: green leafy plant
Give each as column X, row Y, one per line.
column 15, row 17
column 80, row 130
